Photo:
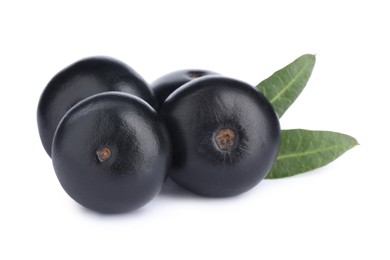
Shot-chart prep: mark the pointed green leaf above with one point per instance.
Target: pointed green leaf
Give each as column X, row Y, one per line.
column 285, row 85
column 304, row 150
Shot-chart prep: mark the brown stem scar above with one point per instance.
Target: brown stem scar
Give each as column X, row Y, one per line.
column 196, row 74
column 225, row 139
column 103, row 154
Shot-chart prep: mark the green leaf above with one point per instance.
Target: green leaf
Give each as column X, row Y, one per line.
column 304, row 150
column 284, row 86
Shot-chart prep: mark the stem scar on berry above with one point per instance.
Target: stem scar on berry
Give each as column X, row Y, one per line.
column 225, row 139
column 103, row 154
column 196, row 74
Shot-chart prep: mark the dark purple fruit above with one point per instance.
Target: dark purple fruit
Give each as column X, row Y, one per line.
column 225, row 136
column 80, row 80
column 111, row 152
column 168, row 83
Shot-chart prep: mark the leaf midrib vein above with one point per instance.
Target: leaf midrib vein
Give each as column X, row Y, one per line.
column 290, row 83
column 292, row 155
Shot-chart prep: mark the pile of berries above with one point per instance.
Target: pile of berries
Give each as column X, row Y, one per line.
column 114, row 139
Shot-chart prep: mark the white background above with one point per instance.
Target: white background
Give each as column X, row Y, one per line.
column 340, row 211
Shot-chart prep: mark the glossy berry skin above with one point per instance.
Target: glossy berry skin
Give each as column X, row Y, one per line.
column 168, row 83
column 225, row 136
column 80, row 80
column 111, row 152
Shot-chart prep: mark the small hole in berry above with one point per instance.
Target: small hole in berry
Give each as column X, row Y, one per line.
column 103, row 154
column 226, row 139
column 196, row 74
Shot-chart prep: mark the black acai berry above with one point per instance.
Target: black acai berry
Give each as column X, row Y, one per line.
column 225, row 136
column 80, row 80
column 168, row 83
column 111, row 152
